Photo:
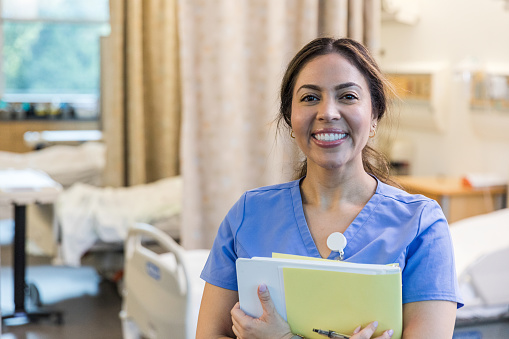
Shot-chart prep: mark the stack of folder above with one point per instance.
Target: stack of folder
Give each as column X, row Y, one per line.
column 324, row 294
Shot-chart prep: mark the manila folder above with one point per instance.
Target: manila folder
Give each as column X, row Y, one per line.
column 328, row 295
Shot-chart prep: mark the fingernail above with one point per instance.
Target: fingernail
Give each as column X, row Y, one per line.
column 357, row 330
column 375, row 323
column 262, row 288
column 390, row 332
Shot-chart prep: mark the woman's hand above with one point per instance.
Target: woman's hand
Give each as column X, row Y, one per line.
column 368, row 331
column 270, row 325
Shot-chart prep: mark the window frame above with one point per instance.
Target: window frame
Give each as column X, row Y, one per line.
column 75, row 98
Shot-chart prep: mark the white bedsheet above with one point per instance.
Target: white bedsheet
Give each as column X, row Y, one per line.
column 478, row 236
column 474, row 239
column 87, row 214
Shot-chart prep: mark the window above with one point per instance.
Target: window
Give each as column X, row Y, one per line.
column 51, row 52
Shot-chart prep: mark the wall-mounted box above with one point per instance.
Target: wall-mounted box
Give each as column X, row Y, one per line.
column 489, row 92
column 421, row 92
column 489, row 102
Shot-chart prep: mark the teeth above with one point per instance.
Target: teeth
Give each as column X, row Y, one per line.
column 330, row 136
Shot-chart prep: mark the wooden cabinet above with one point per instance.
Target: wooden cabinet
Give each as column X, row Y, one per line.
column 457, row 200
column 12, row 132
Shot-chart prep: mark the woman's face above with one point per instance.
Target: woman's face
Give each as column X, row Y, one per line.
column 331, row 113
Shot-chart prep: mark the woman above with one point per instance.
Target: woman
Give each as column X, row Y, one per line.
column 332, row 97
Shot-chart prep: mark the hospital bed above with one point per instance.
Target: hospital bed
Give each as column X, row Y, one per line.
column 481, row 246
column 87, row 219
column 66, row 165
column 162, row 288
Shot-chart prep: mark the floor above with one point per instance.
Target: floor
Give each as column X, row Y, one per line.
column 90, row 303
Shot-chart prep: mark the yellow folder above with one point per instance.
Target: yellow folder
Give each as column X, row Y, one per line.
column 325, row 294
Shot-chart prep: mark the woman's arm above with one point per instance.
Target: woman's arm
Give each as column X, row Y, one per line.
column 214, row 320
column 429, row 319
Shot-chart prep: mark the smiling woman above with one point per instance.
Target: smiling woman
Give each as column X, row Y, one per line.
column 332, row 97
column 331, row 113
column 357, row 62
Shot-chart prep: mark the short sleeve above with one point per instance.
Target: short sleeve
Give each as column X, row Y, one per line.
column 430, row 272
column 220, row 269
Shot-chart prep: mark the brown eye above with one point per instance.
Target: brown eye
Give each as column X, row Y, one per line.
column 349, row 97
column 309, row 98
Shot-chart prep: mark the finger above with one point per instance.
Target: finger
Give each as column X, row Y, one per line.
column 367, row 332
column 265, row 299
column 386, row 335
column 235, row 311
column 357, row 330
column 239, row 316
column 237, row 327
column 235, row 307
column 235, row 331
column 236, row 322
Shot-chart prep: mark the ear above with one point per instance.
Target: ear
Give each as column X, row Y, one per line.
column 374, row 121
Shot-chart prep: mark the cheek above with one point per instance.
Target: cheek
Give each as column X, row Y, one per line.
column 359, row 124
column 365, row 121
column 300, row 124
column 295, row 117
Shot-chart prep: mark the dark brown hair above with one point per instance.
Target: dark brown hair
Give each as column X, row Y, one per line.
column 374, row 162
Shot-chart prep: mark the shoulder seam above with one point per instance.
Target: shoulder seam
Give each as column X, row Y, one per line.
column 286, row 185
column 420, row 224
column 421, row 199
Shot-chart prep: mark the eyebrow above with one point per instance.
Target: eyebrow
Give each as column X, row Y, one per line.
column 336, row 88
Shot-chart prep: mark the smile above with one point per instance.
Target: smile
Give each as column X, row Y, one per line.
column 329, row 136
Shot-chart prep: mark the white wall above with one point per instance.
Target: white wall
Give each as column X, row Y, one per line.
column 451, row 33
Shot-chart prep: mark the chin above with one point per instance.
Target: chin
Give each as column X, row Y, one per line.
column 331, row 166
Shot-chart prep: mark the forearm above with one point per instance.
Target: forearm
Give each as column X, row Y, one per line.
column 214, row 320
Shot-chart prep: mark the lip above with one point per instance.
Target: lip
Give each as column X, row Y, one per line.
column 328, row 144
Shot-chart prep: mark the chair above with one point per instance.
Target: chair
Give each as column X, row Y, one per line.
column 162, row 292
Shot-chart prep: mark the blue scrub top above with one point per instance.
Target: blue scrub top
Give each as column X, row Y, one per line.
column 393, row 227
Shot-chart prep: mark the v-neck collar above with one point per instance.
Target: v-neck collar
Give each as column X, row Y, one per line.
column 349, row 233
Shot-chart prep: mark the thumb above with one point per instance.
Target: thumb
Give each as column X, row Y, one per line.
column 265, row 299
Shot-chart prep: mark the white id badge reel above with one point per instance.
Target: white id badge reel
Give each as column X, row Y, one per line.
column 337, row 243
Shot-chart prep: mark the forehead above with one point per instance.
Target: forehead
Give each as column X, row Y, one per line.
column 330, row 69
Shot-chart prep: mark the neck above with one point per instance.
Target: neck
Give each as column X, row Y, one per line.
column 328, row 189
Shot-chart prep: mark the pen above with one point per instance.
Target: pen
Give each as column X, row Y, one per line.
column 331, row 334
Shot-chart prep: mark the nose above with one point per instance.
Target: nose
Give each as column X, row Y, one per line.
column 328, row 110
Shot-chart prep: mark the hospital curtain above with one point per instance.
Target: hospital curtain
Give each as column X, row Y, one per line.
column 232, row 58
column 140, row 92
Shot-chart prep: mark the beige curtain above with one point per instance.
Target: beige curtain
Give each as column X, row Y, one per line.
column 357, row 19
column 141, row 92
column 232, row 57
